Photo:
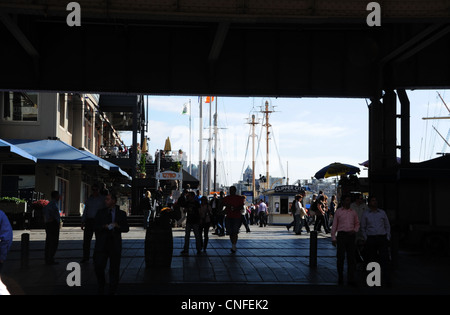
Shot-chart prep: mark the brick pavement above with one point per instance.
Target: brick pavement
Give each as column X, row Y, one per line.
column 269, row 260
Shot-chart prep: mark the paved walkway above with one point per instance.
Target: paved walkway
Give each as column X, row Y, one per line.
column 269, row 260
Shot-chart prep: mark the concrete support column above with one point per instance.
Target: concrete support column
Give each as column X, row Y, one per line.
column 382, row 150
column 134, row 157
column 78, row 121
column 375, row 140
column 390, row 129
column 405, row 127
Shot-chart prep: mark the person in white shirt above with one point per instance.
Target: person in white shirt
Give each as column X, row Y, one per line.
column 103, row 151
column 262, row 213
column 115, row 151
column 359, row 206
column 294, row 212
column 301, row 215
column 376, row 231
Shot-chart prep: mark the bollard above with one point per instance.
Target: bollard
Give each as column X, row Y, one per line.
column 313, row 249
column 25, row 250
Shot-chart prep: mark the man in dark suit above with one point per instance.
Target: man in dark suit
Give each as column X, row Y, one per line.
column 110, row 223
column 52, row 221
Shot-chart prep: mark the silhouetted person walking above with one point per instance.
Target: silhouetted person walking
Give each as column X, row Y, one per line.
column 345, row 224
column 192, row 223
column 6, row 238
column 234, row 204
column 110, row 223
column 52, row 220
column 205, row 221
column 262, row 213
column 95, row 202
column 376, row 232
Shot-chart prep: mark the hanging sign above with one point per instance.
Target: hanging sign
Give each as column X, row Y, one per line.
column 169, row 175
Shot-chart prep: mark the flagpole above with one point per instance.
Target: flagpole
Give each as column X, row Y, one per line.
column 200, row 163
column 209, row 147
column 190, row 139
column 215, row 148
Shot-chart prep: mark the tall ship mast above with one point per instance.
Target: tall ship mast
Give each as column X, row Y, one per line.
column 267, row 111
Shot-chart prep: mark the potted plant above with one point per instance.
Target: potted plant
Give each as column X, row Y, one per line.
column 38, row 205
column 15, row 209
column 13, row 205
column 176, row 166
column 141, row 166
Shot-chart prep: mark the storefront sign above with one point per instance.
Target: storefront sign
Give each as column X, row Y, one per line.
column 288, row 189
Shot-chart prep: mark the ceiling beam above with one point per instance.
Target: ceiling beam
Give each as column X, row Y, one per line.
column 219, row 39
column 22, row 39
column 424, row 44
column 410, row 43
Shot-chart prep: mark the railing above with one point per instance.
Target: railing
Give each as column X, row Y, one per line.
column 122, row 152
column 26, row 194
column 172, row 156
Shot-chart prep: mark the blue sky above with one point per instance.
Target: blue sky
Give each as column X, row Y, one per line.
column 307, row 133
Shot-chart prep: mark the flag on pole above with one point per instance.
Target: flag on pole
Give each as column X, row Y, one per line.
column 186, row 109
column 209, row 99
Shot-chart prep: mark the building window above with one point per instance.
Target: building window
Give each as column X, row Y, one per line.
column 88, row 133
column 20, row 106
column 69, row 113
column 62, row 109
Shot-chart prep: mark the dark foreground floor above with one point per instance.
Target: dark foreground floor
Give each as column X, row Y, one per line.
column 270, row 261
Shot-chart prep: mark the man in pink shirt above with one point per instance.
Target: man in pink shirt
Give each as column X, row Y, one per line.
column 345, row 224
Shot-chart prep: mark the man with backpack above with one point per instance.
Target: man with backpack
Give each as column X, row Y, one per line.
column 313, row 209
column 294, row 213
column 302, row 217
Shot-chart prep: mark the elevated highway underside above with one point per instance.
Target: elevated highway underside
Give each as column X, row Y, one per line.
column 286, row 48
column 241, row 47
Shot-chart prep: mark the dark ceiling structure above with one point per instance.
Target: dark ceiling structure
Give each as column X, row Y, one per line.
column 270, row 48
column 290, row 48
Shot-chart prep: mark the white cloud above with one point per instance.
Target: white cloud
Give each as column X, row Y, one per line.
column 166, row 105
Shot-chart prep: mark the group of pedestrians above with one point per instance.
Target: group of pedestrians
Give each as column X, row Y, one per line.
column 358, row 230
column 52, row 221
column 320, row 213
column 370, row 227
column 250, row 215
column 353, row 224
column 103, row 217
column 224, row 213
column 300, row 215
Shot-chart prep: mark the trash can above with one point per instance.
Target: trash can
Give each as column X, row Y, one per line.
column 159, row 241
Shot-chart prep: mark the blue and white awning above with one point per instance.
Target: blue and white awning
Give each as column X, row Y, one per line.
column 57, row 151
column 14, row 152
